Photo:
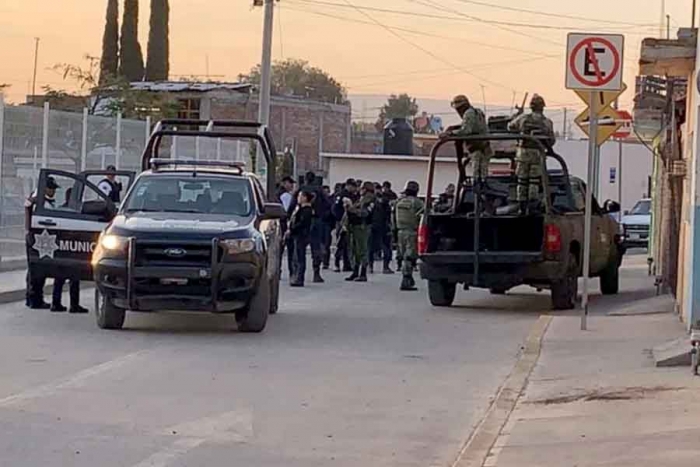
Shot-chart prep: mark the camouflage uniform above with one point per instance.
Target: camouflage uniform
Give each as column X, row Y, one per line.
column 528, row 168
column 406, row 219
column 357, row 219
column 474, row 123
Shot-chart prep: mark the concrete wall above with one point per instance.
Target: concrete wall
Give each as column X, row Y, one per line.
column 636, row 168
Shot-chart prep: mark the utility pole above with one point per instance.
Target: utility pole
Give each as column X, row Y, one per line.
column 265, row 72
column 36, row 63
column 668, row 26
column 694, row 13
column 661, row 20
column 619, row 163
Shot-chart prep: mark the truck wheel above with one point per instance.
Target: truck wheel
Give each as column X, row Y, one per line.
column 275, row 298
column 441, row 293
column 610, row 278
column 108, row 316
column 255, row 317
column 564, row 291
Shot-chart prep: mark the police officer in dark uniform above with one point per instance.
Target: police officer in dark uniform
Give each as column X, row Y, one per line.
column 320, row 209
column 110, row 186
column 35, row 283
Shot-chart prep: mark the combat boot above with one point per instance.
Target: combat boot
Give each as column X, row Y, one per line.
column 407, row 284
column 297, row 282
column 317, row 277
column 355, row 274
column 363, row 275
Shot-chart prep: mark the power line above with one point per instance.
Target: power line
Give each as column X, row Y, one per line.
column 443, row 17
column 555, row 15
column 423, row 49
column 474, row 18
column 413, row 31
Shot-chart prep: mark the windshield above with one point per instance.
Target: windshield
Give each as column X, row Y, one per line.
column 641, row 208
column 202, row 194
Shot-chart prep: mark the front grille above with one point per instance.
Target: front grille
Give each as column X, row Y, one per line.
column 640, row 227
column 153, row 287
column 174, row 254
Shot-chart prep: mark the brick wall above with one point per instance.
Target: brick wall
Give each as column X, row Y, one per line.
column 293, row 122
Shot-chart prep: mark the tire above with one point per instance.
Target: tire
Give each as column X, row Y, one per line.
column 564, row 291
column 441, row 293
column 610, row 278
column 107, row 315
column 498, row 291
column 254, row 318
column 275, row 295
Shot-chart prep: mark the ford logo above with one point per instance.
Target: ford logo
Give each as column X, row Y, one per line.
column 175, row 252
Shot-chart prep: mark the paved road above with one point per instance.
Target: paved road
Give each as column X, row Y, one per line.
column 347, row 374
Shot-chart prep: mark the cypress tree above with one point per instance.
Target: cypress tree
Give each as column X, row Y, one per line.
column 130, row 56
column 109, row 61
column 158, row 65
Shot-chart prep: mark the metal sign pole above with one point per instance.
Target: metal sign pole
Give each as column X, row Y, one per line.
column 592, row 150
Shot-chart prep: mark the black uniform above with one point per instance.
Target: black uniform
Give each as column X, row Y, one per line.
column 320, row 207
column 34, row 296
column 300, row 232
column 381, row 229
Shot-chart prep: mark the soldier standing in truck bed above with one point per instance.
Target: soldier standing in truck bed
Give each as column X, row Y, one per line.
column 473, row 123
column 529, row 159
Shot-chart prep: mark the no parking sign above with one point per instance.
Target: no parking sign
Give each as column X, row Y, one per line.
column 594, row 61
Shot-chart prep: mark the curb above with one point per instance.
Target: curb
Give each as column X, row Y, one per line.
column 478, row 446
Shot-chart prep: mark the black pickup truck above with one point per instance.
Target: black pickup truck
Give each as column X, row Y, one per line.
column 190, row 235
column 480, row 242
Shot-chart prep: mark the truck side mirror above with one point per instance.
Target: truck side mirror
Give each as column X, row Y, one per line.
column 612, row 207
column 274, row 211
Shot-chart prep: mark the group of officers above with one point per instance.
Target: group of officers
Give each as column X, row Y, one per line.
column 367, row 219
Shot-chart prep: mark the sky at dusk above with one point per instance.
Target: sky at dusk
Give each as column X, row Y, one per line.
column 436, row 49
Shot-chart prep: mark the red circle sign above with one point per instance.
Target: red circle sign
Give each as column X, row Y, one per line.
column 599, row 79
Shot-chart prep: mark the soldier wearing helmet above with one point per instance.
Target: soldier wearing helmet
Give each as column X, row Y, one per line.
column 530, row 160
column 473, row 123
column 406, row 218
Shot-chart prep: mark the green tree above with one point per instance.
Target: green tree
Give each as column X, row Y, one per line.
column 130, row 56
column 158, row 62
column 110, row 43
column 294, row 77
column 398, row 106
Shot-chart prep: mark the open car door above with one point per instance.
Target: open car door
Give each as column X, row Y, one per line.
column 69, row 215
column 123, row 178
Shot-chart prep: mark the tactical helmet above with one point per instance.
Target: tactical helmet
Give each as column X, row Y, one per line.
column 411, row 188
column 460, row 101
column 537, row 102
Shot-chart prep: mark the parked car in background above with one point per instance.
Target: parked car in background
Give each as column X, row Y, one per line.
column 636, row 224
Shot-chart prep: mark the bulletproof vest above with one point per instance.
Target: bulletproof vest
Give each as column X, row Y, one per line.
column 534, row 124
column 482, row 128
column 407, row 213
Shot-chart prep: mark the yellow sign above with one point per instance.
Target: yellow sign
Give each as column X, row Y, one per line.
column 608, row 123
column 603, row 98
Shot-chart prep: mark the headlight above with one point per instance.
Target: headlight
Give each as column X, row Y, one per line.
column 236, row 246
column 114, row 243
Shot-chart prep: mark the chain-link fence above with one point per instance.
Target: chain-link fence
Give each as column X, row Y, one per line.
column 32, row 138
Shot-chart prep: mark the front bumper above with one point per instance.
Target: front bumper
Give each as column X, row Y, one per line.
column 221, row 286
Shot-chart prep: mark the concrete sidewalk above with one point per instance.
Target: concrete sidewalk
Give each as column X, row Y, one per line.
column 595, row 398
